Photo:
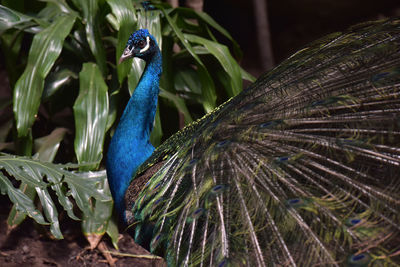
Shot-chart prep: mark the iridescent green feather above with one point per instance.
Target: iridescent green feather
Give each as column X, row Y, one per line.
column 302, row 168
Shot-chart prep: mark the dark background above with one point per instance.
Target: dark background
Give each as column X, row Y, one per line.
column 293, row 23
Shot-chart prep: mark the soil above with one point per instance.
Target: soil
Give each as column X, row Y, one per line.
column 31, row 245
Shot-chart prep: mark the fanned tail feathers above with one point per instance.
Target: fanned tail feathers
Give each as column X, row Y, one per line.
column 300, row 169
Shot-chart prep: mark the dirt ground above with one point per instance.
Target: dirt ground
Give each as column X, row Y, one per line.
column 30, row 245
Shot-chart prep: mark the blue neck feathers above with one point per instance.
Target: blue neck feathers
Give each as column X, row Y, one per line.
column 130, row 146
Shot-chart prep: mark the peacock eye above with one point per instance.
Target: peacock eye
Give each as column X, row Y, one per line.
column 142, row 44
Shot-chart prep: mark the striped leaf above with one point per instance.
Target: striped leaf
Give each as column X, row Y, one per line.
column 45, row 49
column 90, row 112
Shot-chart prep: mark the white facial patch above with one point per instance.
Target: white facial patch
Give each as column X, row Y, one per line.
column 127, row 51
column 144, row 49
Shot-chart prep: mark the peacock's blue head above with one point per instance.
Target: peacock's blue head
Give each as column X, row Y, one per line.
column 141, row 44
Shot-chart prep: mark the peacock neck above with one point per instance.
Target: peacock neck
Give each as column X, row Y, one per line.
column 130, row 146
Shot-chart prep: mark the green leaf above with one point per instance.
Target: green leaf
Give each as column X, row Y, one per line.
column 96, row 218
column 208, row 87
column 135, row 73
column 47, row 148
column 222, row 54
column 56, row 80
column 29, row 176
column 203, row 17
column 156, row 133
column 23, row 145
column 247, row 76
column 187, row 80
column 81, row 186
column 113, row 100
column 90, row 112
column 50, row 210
column 122, row 10
column 184, row 55
column 113, row 21
column 125, row 16
column 45, row 49
column 96, row 222
column 22, row 201
column 78, row 47
column 16, row 216
column 86, row 185
column 10, row 43
column 12, row 19
column 112, row 231
column 65, row 202
column 92, row 25
column 210, row 21
column 179, row 103
column 61, row 5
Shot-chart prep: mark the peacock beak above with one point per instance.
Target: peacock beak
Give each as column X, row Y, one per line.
column 128, row 53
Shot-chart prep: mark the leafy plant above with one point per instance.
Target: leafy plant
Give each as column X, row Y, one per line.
column 68, row 89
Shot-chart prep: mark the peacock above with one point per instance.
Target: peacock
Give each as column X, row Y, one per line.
column 300, row 169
